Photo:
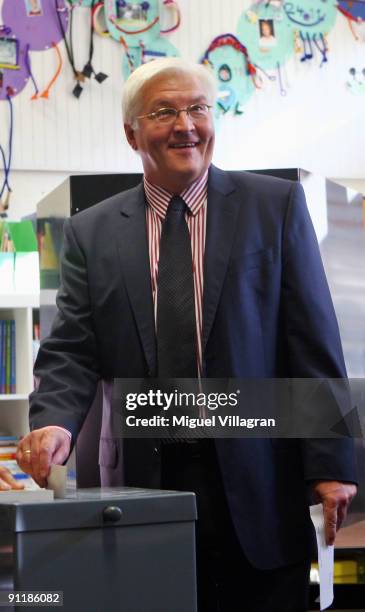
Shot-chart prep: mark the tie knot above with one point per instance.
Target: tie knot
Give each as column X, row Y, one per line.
column 177, row 205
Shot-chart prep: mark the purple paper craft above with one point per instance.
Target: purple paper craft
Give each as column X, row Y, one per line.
column 12, row 82
column 35, row 22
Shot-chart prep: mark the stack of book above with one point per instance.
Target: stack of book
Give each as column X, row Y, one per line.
column 7, row 357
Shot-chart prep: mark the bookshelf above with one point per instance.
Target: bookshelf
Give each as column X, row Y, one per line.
column 14, row 406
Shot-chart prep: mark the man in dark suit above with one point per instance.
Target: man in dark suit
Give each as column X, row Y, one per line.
column 261, row 309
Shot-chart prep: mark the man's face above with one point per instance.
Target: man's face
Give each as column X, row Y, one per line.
column 166, row 161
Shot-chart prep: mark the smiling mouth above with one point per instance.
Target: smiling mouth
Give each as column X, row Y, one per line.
column 184, row 145
column 306, row 17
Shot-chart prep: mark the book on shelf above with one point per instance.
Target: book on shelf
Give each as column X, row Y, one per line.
column 12, row 357
column 7, row 452
column 8, row 446
column 6, row 440
column 7, row 357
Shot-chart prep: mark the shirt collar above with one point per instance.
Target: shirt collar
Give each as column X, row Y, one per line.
column 194, row 196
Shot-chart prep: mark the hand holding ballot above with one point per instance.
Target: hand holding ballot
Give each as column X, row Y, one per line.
column 41, row 448
column 336, row 498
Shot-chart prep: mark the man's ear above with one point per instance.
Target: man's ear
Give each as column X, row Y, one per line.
column 129, row 132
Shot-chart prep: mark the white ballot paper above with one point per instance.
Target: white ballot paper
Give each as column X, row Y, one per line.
column 325, row 558
column 57, row 480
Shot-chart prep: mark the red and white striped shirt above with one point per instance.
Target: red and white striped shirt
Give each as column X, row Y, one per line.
column 195, row 198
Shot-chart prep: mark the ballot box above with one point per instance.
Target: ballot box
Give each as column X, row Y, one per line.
column 113, row 549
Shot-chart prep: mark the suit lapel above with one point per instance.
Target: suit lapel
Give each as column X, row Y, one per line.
column 134, row 256
column 221, row 223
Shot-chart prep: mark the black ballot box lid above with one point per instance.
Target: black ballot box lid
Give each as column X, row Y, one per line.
column 99, row 508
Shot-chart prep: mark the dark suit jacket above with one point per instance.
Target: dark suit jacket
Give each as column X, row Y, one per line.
column 267, row 313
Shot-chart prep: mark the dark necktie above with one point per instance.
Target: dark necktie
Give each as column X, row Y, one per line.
column 176, row 325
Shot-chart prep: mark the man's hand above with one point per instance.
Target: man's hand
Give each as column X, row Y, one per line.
column 7, row 481
column 336, row 498
column 41, row 448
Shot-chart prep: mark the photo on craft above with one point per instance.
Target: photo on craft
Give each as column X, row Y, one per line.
column 8, row 53
column 267, row 33
column 33, row 8
column 131, row 11
column 224, row 73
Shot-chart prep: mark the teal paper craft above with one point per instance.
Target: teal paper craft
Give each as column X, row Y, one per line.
column 268, row 36
column 234, row 73
column 135, row 56
column 311, row 20
column 133, row 22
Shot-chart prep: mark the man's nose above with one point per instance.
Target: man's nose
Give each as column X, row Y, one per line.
column 183, row 121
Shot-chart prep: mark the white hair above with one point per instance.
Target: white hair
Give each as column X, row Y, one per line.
column 131, row 102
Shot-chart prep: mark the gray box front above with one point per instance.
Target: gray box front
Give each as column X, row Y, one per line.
column 138, row 557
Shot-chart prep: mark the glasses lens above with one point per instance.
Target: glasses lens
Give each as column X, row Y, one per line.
column 198, row 111
column 165, row 115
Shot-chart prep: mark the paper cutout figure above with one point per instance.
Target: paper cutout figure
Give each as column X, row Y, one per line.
column 40, row 33
column 234, row 72
column 134, row 22
column 269, row 38
column 312, row 20
column 135, row 56
column 39, row 25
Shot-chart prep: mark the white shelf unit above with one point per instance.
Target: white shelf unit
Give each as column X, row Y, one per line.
column 14, row 407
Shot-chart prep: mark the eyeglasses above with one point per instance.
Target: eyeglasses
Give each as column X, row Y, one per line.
column 197, row 112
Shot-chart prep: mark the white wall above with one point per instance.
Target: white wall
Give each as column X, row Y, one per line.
column 29, row 187
column 318, row 125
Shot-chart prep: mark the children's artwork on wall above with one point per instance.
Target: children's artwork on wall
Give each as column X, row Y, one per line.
column 137, row 26
column 39, row 25
column 99, row 21
column 13, row 68
column 140, row 22
column 88, row 70
column 133, row 21
column 354, row 11
column 268, row 37
column 312, row 20
column 356, row 81
column 234, row 72
column 135, row 56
